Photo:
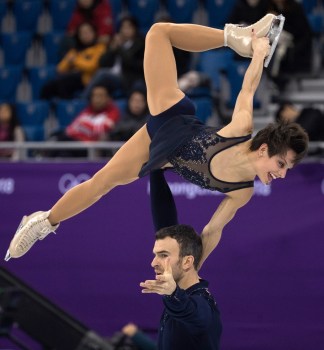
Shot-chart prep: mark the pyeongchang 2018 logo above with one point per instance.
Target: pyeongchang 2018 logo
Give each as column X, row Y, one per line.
column 191, row 191
column 7, row 185
column 68, row 180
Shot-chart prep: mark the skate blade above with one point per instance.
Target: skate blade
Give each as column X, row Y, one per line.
column 274, row 35
column 7, row 257
column 22, row 222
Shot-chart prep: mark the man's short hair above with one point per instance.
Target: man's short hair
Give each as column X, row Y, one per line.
column 101, row 86
column 189, row 241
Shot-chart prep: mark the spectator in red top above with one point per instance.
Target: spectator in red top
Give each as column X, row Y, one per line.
column 94, row 123
column 96, row 12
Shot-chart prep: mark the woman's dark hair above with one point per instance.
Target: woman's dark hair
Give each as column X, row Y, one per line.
column 79, row 45
column 189, row 241
column 282, row 137
column 145, row 112
column 103, row 86
column 128, row 18
column 87, row 12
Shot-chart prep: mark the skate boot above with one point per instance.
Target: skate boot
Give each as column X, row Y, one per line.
column 32, row 228
column 239, row 38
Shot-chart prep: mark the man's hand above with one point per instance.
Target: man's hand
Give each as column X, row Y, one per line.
column 130, row 329
column 163, row 284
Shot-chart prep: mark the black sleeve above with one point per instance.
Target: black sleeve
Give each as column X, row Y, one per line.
column 163, row 208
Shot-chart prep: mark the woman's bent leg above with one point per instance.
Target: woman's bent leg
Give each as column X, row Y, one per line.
column 159, row 62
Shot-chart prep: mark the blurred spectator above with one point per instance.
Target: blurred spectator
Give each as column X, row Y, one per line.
column 138, row 338
column 294, row 52
column 96, row 12
column 311, row 119
column 123, row 59
column 10, row 130
column 246, row 12
column 192, row 80
column 94, row 123
column 133, row 117
column 77, row 67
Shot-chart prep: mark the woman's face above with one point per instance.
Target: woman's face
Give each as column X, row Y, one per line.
column 253, row 3
column 279, row 3
column 127, row 30
column 85, row 4
column 5, row 113
column 271, row 168
column 86, row 34
column 137, row 103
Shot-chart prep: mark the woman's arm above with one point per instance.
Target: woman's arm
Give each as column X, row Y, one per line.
column 66, row 64
column 242, row 118
column 225, row 212
column 88, row 60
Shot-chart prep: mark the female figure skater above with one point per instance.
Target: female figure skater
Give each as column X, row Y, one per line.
column 226, row 160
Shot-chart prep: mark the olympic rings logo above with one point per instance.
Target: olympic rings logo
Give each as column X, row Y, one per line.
column 68, row 180
column 7, row 185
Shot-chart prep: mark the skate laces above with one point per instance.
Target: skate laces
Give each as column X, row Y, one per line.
column 34, row 230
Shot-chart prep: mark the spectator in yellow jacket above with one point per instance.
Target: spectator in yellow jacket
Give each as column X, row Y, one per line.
column 77, row 67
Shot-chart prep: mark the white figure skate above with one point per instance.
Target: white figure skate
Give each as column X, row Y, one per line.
column 31, row 229
column 239, row 38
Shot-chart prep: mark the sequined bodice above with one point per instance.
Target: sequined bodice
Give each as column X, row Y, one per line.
column 192, row 160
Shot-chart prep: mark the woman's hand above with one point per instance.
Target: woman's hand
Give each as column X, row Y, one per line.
column 260, row 45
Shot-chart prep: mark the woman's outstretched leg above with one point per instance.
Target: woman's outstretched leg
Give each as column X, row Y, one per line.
column 122, row 169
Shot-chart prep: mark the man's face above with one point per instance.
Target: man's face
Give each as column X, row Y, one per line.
column 99, row 98
column 164, row 248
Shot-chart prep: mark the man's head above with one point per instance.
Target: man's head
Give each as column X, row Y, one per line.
column 99, row 97
column 182, row 245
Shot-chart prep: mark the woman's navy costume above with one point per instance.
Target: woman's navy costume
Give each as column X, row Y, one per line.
column 179, row 138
